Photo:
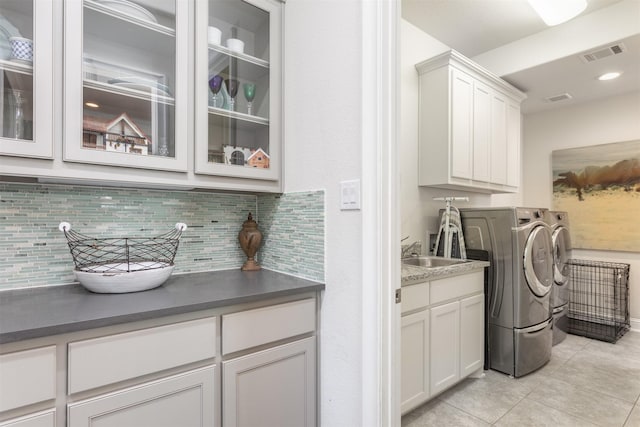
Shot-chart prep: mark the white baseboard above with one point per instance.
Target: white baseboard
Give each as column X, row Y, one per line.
column 635, row 324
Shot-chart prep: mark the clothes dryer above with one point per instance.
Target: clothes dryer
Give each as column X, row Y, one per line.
column 518, row 309
column 559, row 224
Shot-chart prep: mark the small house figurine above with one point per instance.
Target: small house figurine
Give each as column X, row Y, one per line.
column 120, row 134
column 258, row 159
column 250, row 238
column 235, row 155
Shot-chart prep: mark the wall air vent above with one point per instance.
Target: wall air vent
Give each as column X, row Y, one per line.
column 557, row 98
column 602, row 52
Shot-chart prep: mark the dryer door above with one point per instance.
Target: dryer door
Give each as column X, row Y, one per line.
column 561, row 254
column 538, row 261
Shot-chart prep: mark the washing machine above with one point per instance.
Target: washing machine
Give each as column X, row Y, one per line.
column 518, row 309
column 559, row 225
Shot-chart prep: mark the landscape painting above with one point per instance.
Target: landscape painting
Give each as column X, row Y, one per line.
column 599, row 186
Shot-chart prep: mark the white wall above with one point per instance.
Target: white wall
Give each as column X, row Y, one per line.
column 419, row 210
column 323, row 147
column 614, row 119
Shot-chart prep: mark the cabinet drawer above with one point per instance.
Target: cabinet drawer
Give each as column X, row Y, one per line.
column 415, row 296
column 27, row 377
column 106, row 360
column 456, row 286
column 251, row 328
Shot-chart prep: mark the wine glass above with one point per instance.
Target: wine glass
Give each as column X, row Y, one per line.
column 249, row 93
column 232, row 88
column 19, row 114
column 215, row 84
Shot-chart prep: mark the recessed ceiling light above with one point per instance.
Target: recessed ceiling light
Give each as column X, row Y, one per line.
column 91, row 105
column 554, row 12
column 609, row 76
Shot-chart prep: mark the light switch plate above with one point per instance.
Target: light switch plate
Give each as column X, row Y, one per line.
column 350, row 195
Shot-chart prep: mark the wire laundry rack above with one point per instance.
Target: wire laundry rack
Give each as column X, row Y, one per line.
column 450, row 240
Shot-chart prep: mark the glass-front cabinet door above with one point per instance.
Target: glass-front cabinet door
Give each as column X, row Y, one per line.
column 126, row 82
column 26, row 61
column 238, row 88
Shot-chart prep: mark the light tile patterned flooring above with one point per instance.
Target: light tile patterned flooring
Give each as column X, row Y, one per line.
column 586, row 383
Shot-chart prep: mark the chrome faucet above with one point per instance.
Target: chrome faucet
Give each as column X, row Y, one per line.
column 412, row 249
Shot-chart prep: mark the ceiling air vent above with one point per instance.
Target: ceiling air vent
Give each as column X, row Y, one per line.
column 556, row 98
column 602, row 52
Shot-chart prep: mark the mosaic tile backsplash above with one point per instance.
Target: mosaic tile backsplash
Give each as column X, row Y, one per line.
column 33, row 252
column 293, row 233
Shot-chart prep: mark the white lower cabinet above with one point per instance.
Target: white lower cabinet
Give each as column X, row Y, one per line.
column 27, row 377
column 471, row 334
column 183, row 400
column 273, row 387
column 442, row 335
column 179, row 371
column 40, row 419
column 445, row 346
column 415, row 359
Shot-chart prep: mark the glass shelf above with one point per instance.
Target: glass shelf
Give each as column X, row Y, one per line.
column 127, row 17
column 146, row 95
column 16, row 67
column 239, row 116
column 242, row 56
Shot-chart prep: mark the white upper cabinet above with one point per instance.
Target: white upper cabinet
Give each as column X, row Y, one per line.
column 513, row 144
column 26, row 80
column 462, row 125
column 238, row 88
column 498, row 145
column 148, row 93
column 126, row 79
column 469, row 127
column 481, row 146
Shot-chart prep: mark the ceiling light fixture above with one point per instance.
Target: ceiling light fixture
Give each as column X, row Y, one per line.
column 609, row 76
column 554, row 12
column 91, row 105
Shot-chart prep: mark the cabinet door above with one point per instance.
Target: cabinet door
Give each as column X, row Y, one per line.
column 40, row 419
column 274, row 387
column 183, row 400
column 481, row 132
column 27, row 377
column 498, row 139
column 513, row 144
column 471, row 334
column 415, row 360
column 461, row 124
column 126, row 80
column 238, row 88
column 444, row 354
column 26, row 64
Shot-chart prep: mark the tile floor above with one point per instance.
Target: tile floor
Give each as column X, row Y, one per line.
column 586, row 383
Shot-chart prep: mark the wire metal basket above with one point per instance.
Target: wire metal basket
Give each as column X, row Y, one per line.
column 128, row 264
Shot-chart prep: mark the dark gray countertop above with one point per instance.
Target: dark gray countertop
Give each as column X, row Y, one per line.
column 39, row 312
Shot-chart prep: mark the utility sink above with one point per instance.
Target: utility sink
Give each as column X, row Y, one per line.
column 432, row 261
